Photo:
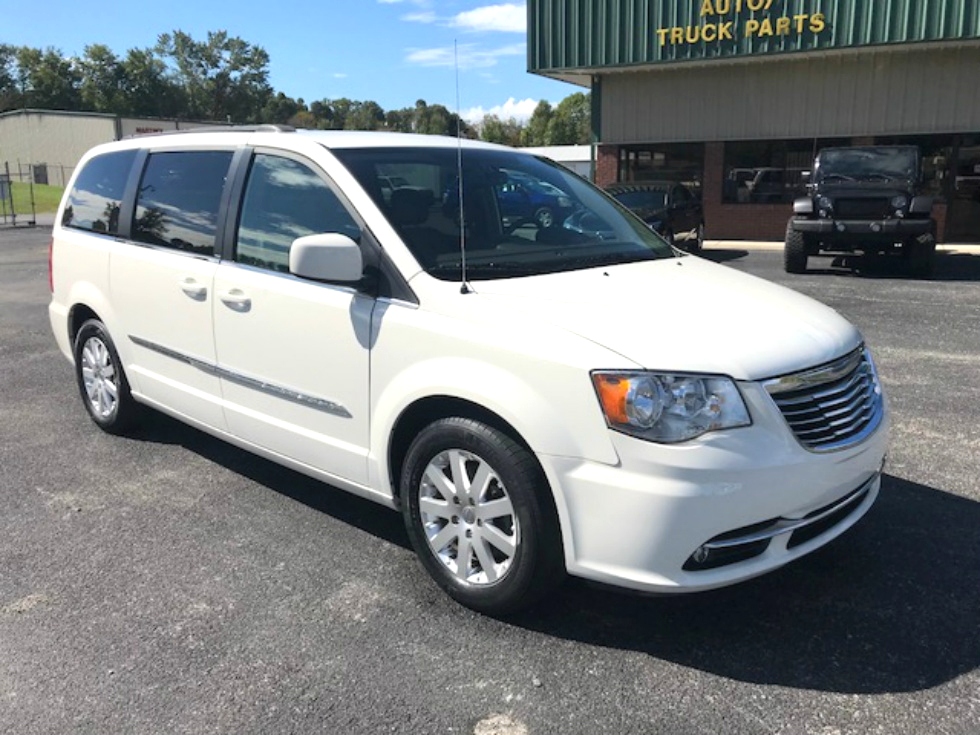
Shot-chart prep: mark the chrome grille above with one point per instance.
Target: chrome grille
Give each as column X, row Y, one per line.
column 871, row 208
column 833, row 406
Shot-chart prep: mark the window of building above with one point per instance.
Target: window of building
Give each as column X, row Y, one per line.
column 769, row 171
column 284, row 200
column 93, row 203
column 179, row 197
column 674, row 162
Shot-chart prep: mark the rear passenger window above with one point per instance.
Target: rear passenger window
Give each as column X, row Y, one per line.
column 179, row 197
column 285, row 199
column 93, row 203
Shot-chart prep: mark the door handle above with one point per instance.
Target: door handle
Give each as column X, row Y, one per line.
column 236, row 299
column 192, row 288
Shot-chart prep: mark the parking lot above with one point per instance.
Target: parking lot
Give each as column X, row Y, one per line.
column 170, row 583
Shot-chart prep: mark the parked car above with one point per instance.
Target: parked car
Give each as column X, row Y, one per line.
column 535, row 400
column 670, row 209
column 865, row 199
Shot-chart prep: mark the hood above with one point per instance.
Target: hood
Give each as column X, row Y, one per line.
column 679, row 314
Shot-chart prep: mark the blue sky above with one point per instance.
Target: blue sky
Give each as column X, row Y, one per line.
column 390, row 51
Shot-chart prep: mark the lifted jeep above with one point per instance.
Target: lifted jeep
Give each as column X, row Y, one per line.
column 863, row 199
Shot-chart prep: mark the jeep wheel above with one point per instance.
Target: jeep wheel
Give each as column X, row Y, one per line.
column 920, row 256
column 794, row 252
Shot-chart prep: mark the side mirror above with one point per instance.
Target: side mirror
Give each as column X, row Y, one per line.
column 329, row 256
column 921, row 205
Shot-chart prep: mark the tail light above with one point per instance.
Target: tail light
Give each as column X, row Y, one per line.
column 51, row 265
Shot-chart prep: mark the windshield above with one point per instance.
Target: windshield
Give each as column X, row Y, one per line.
column 520, row 215
column 867, row 164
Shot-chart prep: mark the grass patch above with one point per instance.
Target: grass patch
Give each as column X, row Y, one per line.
column 46, row 198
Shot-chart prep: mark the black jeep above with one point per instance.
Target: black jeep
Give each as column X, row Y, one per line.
column 863, row 199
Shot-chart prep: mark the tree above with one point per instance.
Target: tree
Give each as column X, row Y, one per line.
column 223, row 77
column 46, row 79
column 365, row 116
column 9, row 92
column 281, row 109
column 101, row 80
column 571, row 123
column 535, row 133
column 505, row 132
column 146, row 88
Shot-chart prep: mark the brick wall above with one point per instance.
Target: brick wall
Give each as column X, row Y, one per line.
column 606, row 165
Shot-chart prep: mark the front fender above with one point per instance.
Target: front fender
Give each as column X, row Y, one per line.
column 554, row 410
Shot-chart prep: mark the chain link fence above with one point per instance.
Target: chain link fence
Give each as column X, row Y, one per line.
column 21, row 209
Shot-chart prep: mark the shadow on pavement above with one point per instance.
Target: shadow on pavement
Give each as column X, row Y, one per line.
column 720, row 255
column 949, row 266
column 344, row 506
column 891, row 606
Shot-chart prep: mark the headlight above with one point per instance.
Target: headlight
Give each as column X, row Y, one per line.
column 667, row 407
column 825, row 203
column 899, row 202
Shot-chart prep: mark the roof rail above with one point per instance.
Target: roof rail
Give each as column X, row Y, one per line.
column 264, row 128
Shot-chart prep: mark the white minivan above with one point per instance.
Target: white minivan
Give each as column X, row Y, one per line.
column 538, row 395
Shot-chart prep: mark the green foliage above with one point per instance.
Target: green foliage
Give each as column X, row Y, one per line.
column 226, row 78
column 571, row 122
column 505, row 132
column 535, row 133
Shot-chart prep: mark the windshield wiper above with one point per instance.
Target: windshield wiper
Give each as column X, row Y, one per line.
column 595, row 261
column 476, row 269
column 882, row 177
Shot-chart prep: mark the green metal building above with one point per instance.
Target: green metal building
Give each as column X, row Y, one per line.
column 735, row 96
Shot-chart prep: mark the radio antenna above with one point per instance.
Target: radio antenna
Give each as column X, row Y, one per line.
column 464, row 286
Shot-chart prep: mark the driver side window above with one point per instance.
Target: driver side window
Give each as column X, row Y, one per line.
column 285, row 199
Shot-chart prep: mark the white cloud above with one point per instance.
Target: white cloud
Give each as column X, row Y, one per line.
column 520, row 110
column 426, row 16
column 339, row 75
column 509, row 18
column 468, row 56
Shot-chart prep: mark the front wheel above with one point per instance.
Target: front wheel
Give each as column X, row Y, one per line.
column 794, row 251
column 479, row 514
column 101, row 380
column 544, row 217
column 697, row 244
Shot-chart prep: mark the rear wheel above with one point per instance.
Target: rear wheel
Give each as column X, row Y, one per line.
column 920, row 254
column 794, row 251
column 479, row 515
column 101, row 380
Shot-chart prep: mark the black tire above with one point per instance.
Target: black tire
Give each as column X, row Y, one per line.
column 544, row 217
column 921, row 256
column 794, row 251
column 101, row 380
column 512, row 551
column 697, row 244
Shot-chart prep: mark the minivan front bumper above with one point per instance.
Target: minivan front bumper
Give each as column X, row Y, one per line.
column 725, row 508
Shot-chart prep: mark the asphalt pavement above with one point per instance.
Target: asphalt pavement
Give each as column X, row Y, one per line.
column 169, row 583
